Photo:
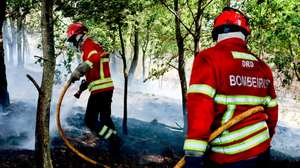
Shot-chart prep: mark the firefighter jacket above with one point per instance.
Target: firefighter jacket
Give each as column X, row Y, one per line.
column 98, row 76
column 227, row 80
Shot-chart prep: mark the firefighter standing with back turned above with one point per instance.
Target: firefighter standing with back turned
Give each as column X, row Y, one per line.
column 95, row 67
column 226, row 80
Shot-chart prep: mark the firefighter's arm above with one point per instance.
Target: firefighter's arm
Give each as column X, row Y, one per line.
column 272, row 109
column 200, row 108
column 80, row 70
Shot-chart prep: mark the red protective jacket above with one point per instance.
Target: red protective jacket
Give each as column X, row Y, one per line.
column 226, row 80
column 98, row 77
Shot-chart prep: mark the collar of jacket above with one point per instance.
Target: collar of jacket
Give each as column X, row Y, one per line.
column 225, row 36
column 233, row 43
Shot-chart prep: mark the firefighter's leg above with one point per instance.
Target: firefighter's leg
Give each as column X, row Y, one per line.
column 105, row 119
column 92, row 112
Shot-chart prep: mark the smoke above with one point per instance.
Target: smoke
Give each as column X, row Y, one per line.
column 166, row 86
column 17, row 123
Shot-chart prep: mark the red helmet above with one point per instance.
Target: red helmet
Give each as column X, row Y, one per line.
column 75, row 29
column 230, row 20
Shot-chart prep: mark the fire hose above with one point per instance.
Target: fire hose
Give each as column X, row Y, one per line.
column 224, row 127
column 62, row 134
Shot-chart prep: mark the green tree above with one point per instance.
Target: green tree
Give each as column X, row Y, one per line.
column 17, row 11
column 275, row 35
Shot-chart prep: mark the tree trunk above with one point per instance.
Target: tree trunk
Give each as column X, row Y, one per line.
column 143, row 64
column 197, row 31
column 19, row 41
column 181, row 61
column 4, row 96
column 136, row 50
column 11, row 42
column 24, row 44
column 4, row 37
column 297, row 71
column 42, row 145
column 144, row 50
column 125, row 130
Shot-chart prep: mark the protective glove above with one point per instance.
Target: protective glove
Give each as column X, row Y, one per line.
column 194, row 162
column 80, row 70
column 75, row 76
column 83, row 86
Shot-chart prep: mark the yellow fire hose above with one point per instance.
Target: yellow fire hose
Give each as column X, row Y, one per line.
column 62, row 134
column 224, row 127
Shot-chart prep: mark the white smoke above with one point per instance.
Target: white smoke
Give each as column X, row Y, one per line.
column 20, row 123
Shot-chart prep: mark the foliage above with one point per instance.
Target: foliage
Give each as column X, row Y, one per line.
column 275, row 29
column 276, row 34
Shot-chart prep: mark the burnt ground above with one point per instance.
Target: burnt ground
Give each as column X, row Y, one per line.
column 148, row 144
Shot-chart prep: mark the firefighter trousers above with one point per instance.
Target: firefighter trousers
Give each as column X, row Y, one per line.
column 98, row 114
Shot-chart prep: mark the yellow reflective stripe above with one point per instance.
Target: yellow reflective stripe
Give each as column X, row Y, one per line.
column 195, row 145
column 228, row 114
column 104, row 59
column 239, row 134
column 272, row 103
column 92, row 53
column 108, row 135
column 241, row 100
column 243, row 146
column 245, row 100
column 103, row 86
column 246, row 56
column 89, row 63
column 101, row 71
column 103, row 130
column 101, row 67
column 202, row 88
column 100, row 81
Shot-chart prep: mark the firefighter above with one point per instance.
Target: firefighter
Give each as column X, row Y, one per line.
column 228, row 79
column 95, row 67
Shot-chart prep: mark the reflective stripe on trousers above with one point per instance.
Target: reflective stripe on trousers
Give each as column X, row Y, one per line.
column 106, row 132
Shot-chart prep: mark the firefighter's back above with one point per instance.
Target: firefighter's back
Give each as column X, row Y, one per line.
column 242, row 81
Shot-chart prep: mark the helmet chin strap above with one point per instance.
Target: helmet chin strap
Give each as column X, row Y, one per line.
column 80, row 38
column 225, row 36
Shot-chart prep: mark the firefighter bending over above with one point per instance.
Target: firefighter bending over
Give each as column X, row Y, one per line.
column 228, row 79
